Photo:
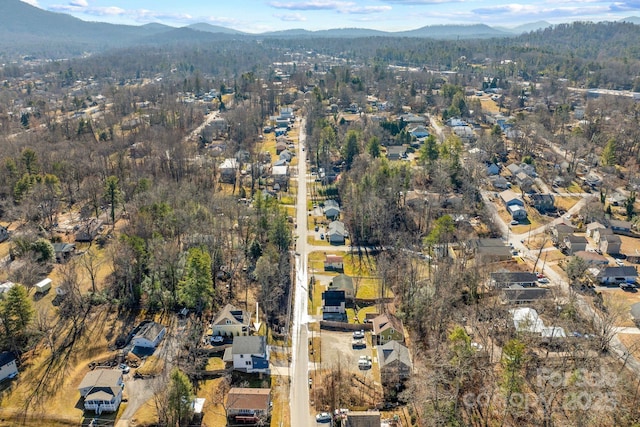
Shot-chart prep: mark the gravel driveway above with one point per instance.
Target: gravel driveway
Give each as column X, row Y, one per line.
column 337, row 349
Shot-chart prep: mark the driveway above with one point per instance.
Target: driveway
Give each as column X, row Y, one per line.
column 337, row 350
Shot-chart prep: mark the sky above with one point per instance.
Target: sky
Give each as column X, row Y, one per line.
column 256, row 16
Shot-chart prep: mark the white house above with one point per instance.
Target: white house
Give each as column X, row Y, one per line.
column 8, row 367
column 249, row 354
column 149, row 335
column 102, row 390
column 616, row 275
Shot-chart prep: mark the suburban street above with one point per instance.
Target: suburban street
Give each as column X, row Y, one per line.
column 299, row 399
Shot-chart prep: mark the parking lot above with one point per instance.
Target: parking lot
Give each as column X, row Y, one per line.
column 337, row 349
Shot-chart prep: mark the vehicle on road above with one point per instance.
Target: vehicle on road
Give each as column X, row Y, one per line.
column 543, row 280
column 323, row 418
column 322, row 236
column 358, row 335
column 359, row 344
column 316, row 228
column 514, row 222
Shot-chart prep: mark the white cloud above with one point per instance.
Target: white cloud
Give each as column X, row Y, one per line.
column 79, row 3
column 31, row 2
column 312, row 5
column 291, row 17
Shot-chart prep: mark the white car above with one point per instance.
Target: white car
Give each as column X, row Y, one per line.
column 217, row 339
column 358, row 335
column 124, row 368
column 323, row 417
column 514, row 222
column 619, row 262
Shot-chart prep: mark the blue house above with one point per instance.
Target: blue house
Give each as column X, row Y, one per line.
column 493, row 169
column 419, row 132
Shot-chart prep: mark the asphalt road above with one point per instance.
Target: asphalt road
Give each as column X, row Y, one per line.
column 299, row 399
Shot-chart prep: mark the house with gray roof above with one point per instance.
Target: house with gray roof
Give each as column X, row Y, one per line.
column 336, row 233
column 489, row 250
column 504, row 279
column 331, row 209
column 574, row 243
column 102, row 390
column 395, row 363
column 517, row 294
column 149, row 335
column 610, row 244
column 617, row 275
column 344, row 283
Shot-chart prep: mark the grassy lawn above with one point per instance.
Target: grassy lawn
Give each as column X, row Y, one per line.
column 316, row 301
column 287, row 200
column 574, row 188
column 566, row 203
column 315, row 350
column 355, row 265
column 214, row 364
column 489, row 105
column 369, row 289
column 619, row 301
column 362, row 313
column 351, row 315
column 280, row 414
column 152, row 366
column 64, row 397
column 317, row 242
column 316, row 262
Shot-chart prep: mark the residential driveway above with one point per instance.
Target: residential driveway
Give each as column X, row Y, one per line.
column 337, row 350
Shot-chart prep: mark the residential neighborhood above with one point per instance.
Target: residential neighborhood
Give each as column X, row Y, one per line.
column 303, row 228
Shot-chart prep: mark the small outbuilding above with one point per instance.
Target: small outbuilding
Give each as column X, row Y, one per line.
column 43, row 286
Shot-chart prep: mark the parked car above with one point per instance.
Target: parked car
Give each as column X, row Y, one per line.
column 323, row 417
column 316, row 228
column 514, row 222
column 364, row 362
column 322, row 236
column 124, row 368
column 539, row 275
column 217, row 339
column 628, row 286
column 359, row 344
column 619, row 262
column 543, row 280
column 358, row 335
